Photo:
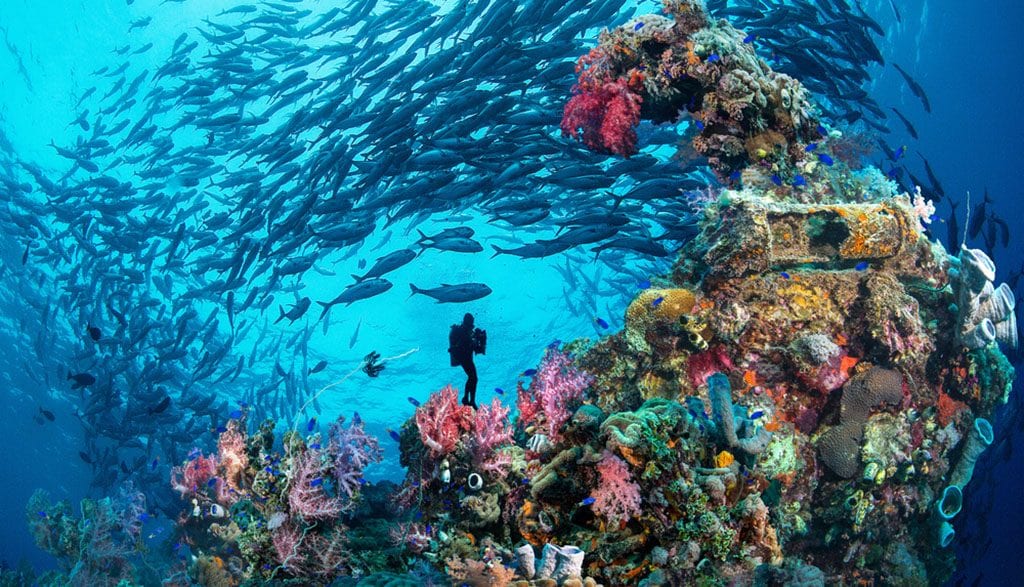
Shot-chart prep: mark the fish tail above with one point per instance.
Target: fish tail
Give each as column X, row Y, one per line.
column 415, row 290
column 497, row 251
column 281, row 317
column 327, row 308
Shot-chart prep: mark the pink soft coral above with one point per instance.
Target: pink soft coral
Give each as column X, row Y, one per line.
column 490, row 431
column 442, row 421
column 306, row 496
column 617, row 497
column 605, row 116
column 555, row 391
column 233, row 462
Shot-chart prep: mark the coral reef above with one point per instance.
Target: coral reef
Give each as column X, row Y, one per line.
column 794, row 403
column 98, row 548
column 657, row 68
column 275, row 514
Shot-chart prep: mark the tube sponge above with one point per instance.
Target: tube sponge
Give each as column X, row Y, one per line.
column 978, row 439
column 951, row 502
column 946, row 533
column 985, row 313
column 720, row 394
column 839, row 447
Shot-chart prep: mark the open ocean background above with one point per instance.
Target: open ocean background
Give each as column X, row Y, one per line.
column 969, row 58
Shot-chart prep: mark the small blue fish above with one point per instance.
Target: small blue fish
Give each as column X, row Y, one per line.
column 601, row 322
column 177, row 546
column 530, row 372
column 588, row 501
column 235, row 415
column 899, row 152
column 428, row 530
column 863, row 265
column 798, row 180
column 749, row 38
column 415, row 402
column 316, row 482
column 554, row 344
column 154, row 464
column 714, row 58
column 394, row 435
column 784, row 275
column 268, row 470
column 735, row 176
column 644, row 284
column 211, row 482
column 418, row 514
column 499, row 391
column 757, row 414
column 638, row 26
column 244, row 405
column 822, row 130
column 315, row 446
column 825, row 159
column 657, row 301
column 194, row 453
column 311, row 424
column 776, row 179
column 700, row 125
column 362, row 480
column 356, row 420
column 143, row 517
column 811, row 147
column 526, row 480
column 42, row 514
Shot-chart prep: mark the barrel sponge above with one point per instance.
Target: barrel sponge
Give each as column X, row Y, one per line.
column 867, row 391
column 839, row 449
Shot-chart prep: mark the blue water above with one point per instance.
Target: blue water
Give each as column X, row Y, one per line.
column 968, row 60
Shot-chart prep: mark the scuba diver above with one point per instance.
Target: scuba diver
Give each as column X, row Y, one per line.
column 463, row 341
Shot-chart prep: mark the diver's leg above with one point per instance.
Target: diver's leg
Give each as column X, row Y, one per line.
column 471, row 382
column 466, row 366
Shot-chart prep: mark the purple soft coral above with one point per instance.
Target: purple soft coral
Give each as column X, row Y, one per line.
column 556, row 388
column 351, row 450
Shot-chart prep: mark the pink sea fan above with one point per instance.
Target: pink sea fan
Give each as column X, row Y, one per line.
column 442, row 421
column 192, row 477
column 309, row 553
column 306, row 496
column 604, row 116
column 491, row 430
column 557, row 389
column 617, row 497
column 351, row 450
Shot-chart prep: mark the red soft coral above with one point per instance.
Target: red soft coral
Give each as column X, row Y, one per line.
column 605, row 116
column 442, row 421
column 192, row 478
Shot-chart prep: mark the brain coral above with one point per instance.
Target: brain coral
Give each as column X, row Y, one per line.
column 839, row 447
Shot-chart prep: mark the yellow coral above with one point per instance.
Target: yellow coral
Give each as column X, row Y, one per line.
column 724, row 459
column 674, row 303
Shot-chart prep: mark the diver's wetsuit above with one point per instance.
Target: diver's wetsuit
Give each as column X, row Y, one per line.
column 460, row 346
